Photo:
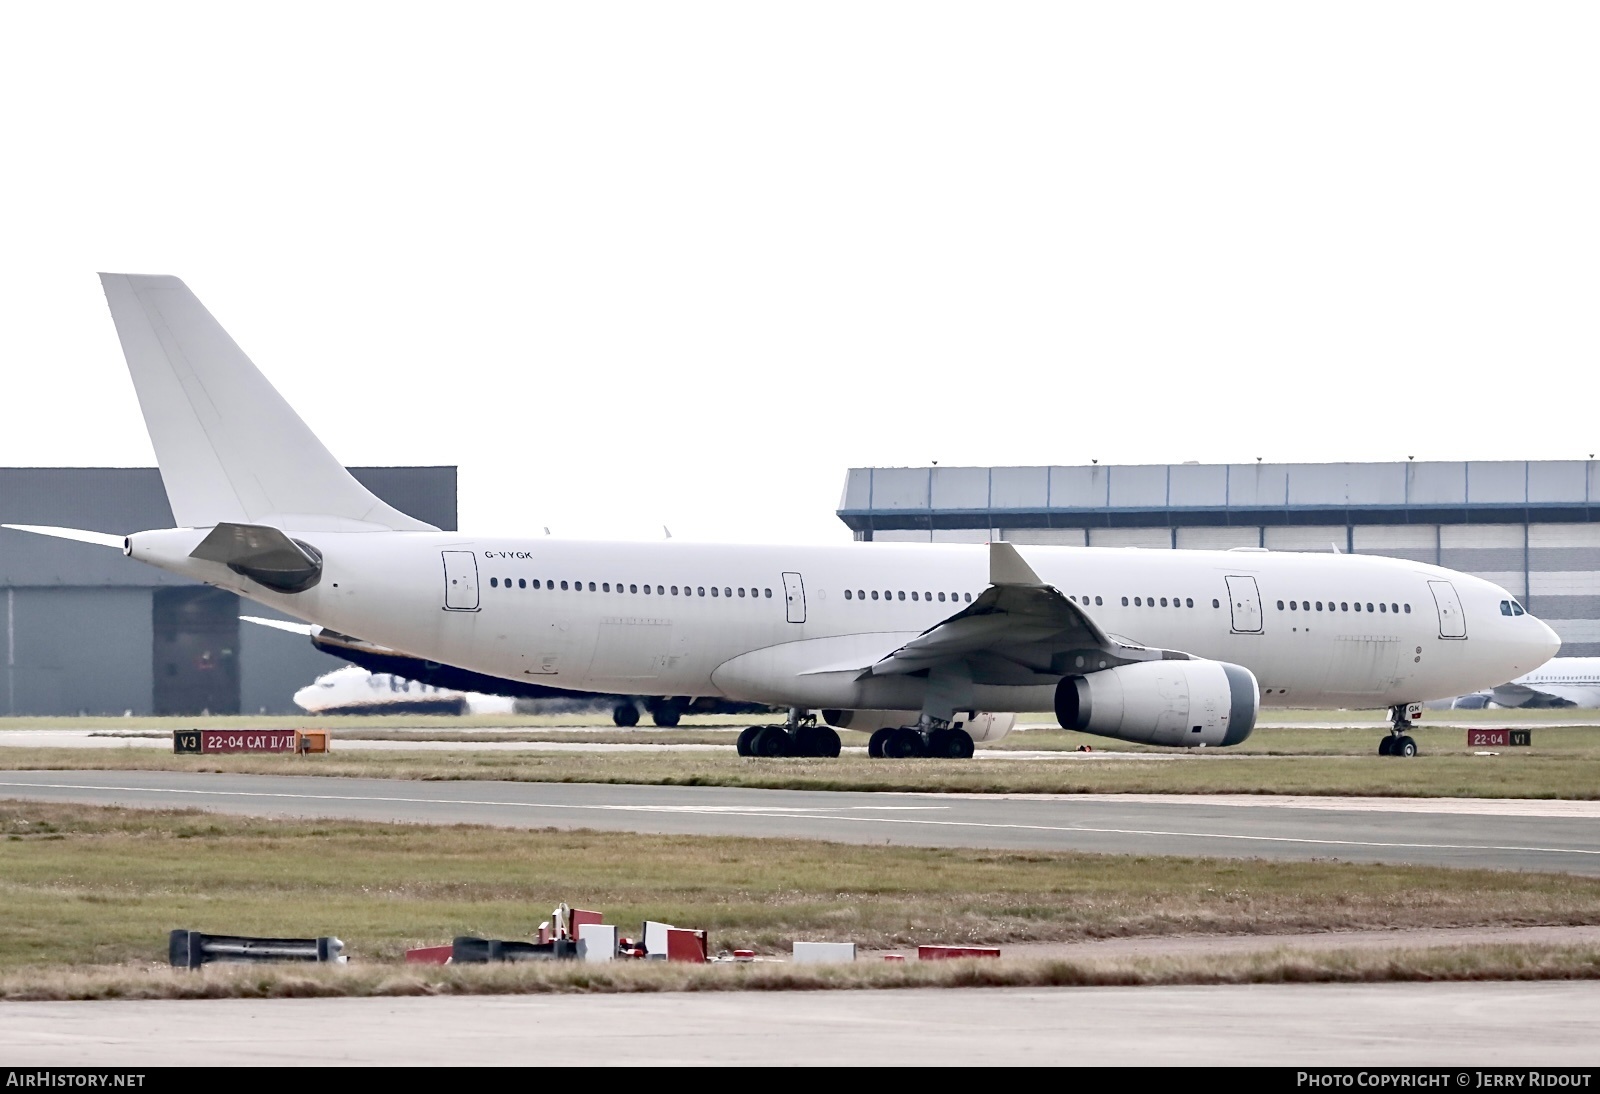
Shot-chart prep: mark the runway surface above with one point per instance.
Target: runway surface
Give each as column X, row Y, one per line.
column 1296, row 1025
column 1505, row 835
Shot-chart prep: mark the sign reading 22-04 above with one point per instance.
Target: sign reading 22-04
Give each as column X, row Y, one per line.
column 234, row 740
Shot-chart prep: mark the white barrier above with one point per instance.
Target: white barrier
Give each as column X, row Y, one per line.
column 597, row 941
column 817, row 953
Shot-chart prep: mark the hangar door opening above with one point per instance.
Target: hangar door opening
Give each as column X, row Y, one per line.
column 196, row 651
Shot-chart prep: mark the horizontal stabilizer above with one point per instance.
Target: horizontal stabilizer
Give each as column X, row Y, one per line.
column 262, row 554
column 99, row 539
column 304, row 629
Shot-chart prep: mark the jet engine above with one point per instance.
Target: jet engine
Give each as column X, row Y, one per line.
column 1184, row 703
column 983, row 726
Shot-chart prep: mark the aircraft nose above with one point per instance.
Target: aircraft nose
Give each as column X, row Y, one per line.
column 1546, row 641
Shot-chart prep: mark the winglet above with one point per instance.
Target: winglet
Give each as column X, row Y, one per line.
column 1006, row 567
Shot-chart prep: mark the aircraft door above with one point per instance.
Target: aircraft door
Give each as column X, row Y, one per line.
column 460, row 581
column 1452, row 620
column 794, row 592
column 1244, row 601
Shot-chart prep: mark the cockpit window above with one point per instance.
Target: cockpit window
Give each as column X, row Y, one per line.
column 1517, row 609
column 1505, row 607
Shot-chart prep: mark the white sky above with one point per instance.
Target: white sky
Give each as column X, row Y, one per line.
column 640, row 264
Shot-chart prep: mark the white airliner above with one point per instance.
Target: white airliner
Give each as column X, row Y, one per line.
column 1169, row 647
column 1561, row 682
column 354, row 690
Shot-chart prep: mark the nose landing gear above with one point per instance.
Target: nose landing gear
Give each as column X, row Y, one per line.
column 1398, row 743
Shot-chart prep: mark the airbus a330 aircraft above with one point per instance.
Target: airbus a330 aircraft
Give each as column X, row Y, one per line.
column 1169, row 647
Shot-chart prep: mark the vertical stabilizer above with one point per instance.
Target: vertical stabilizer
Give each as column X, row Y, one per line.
column 230, row 448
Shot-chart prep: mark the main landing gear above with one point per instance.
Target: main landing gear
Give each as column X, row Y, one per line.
column 1398, row 743
column 802, row 735
column 908, row 742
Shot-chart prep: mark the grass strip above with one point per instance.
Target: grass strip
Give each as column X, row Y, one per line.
column 1564, row 765
column 88, row 886
column 1280, row 966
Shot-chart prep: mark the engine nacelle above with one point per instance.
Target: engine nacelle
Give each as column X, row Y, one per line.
column 983, row 725
column 1183, row 703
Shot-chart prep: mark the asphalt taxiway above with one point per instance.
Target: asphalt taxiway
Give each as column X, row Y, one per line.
column 1450, row 1026
column 1492, row 834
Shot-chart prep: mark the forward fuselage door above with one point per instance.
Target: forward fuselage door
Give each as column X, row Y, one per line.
column 794, row 592
column 1452, row 620
column 460, row 581
column 1244, row 600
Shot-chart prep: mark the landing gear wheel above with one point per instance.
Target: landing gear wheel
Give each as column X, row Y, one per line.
column 666, row 717
column 962, row 744
column 904, row 743
column 626, row 714
column 1405, row 746
column 747, row 735
column 814, row 740
column 876, row 742
column 770, row 741
column 1386, row 747
column 950, row 744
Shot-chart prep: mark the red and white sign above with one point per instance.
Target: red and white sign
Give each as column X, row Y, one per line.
column 248, row 740
column 1488, row 738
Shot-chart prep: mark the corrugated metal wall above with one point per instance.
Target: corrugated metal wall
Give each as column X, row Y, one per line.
column 1531, row 527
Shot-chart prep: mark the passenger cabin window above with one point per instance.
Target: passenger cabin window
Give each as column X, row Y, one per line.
column 1097, row 601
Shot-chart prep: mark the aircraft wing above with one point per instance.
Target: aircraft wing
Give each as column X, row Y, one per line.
column 1019, row 632
column 1544, row 695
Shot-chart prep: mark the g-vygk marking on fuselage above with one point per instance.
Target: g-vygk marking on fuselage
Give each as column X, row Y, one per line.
column 1174, row 647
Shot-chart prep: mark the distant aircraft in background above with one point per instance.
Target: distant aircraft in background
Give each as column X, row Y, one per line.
column 354, row 690
column 1560, row 682
column 664, row 710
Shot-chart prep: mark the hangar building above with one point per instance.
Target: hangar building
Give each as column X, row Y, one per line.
column 88, row 631
column 1529, row 526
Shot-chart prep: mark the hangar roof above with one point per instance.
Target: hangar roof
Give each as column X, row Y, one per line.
column 1143, row 495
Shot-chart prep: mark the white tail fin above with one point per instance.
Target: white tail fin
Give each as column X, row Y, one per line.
column 229, row 446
